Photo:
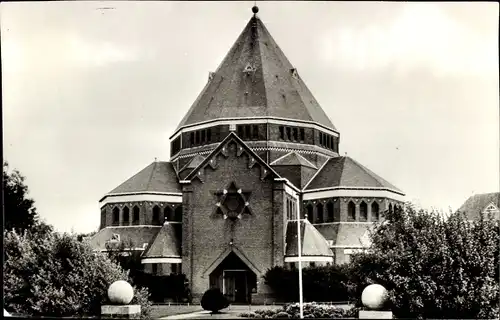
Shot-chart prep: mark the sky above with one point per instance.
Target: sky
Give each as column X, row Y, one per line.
column 91, row 95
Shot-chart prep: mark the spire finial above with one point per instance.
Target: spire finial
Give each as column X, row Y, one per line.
column 255, row 9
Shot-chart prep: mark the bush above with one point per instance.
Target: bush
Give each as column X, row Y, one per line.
column 324, row 283
column 291, row 311
column 213, row 300
column 432, row 267
column 56, row 275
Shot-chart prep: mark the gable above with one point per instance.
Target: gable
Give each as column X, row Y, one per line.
column 232, row 145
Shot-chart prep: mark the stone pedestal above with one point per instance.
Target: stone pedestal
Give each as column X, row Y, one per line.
column 132, row 311
column 372, row 314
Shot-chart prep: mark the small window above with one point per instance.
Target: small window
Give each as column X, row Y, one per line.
column 247, row 132
column 209, row 135
column 282, row 133
column 240, row 131
column 191, row 140
column 126, row 216
column 302, row 134
column 310, row 213
column 197, row 137
column 255, row 132
column 375, row 211
column 156, row 215
column 154, row 268
column 135, row 217
column 203, row 136
column 295, row 134
column 288, row 133
column 320, row 139
column 363, row 211
column 351, row 211
column 167, row 212
column 329, row 211
column 116, row 216
column 319, row 217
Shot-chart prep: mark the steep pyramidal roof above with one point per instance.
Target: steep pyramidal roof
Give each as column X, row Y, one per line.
column 255, row 79
column 346, row 172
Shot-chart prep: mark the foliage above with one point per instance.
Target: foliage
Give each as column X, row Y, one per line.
column 56, row 275
column 213, row 300
column 292, row 311
column 323, row 283
column 19, row 210
column 432, row 267
column 161, row 287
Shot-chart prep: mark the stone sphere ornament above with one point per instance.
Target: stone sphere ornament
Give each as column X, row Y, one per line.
column 255, row 9
column 120, row 292
column 374, row 296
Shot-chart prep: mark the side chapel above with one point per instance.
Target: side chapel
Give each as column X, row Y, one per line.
column 254, row 149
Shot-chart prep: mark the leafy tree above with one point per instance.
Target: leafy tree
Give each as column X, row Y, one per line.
column 50, row 274
column 19, row 210
column 432, row 267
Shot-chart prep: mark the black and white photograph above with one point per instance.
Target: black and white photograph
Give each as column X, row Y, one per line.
column 250, row 159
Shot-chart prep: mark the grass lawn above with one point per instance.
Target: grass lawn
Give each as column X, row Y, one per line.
column 158, row 311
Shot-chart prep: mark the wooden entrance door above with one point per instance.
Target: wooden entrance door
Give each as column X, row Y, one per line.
column 235, row 285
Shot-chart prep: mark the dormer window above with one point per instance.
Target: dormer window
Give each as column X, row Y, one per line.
column 249, row 68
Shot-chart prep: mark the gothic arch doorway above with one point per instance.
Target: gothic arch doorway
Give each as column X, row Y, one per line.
column 235, row 279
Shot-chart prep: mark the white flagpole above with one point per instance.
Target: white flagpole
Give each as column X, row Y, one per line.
column 299, row 247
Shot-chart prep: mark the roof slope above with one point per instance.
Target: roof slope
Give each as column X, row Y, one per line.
column 477, row 204
column 137, row 235
column 157, row 177
column 271, row 89
column 346, row 172
column 312, row 244
column 167, row 243
column 293, row 159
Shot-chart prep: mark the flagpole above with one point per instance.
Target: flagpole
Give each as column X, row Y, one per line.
column 299, row 247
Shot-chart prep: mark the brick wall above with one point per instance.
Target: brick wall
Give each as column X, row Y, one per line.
column 208, row 235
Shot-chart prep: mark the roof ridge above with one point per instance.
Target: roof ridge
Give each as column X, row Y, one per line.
column 151, row 175
column 316, row 173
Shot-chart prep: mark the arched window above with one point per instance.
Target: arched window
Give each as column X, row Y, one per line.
column 302, row 134
column 191, row 138
column 321, row 138
column 255, row 132
column 167, row 212
column 309, row 210
column 351, row 211
column 363, row 211
column 329, row 212
column 282, row 133
column 203, row 136
column 116, row 216
column 178, row 214
column 209, row 135
column 156, row 215
column 390, row 207
column 288, row 133
column 126, row 216
column 295, row 134
column 319, row 216
column 375, row 211
column 135, row 215
column 103, row 218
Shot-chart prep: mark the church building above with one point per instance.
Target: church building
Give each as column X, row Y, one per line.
column 253, row 152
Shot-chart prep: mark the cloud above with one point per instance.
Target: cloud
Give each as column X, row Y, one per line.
column 421, row 35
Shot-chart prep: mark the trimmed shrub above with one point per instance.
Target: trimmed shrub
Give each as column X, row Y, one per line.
column 325, row 283
column 291, row 311
column 56, row 275
column 213, row 300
